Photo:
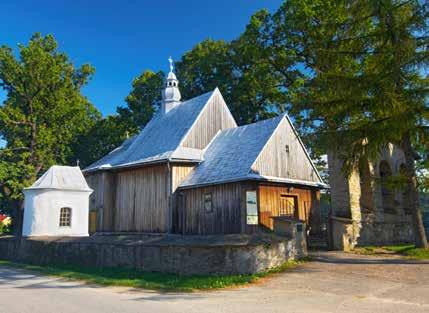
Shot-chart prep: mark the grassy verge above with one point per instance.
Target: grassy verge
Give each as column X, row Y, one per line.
column 409, row 251
column 149, row 280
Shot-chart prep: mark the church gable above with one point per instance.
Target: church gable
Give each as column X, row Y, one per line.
column 284, row 156
column 213, row 118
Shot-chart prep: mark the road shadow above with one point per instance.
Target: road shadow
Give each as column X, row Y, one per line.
column 17, row 278
column 159, row 296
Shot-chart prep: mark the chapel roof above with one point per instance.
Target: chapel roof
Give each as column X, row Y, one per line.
column 62, row 178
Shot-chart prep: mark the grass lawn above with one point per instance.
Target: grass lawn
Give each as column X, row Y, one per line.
column 149, row 280
column 409, row 251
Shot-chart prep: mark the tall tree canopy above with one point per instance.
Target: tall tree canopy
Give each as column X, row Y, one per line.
column 109, row 132
column 362, row 83
column 143, row 100
column 250, row 90
column 44, row 112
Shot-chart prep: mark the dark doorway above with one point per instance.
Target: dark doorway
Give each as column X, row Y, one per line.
column 288, row 206
column 387, row 194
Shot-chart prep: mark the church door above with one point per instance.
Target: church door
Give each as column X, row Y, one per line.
column 288, row 206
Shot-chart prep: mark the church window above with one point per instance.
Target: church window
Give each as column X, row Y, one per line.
column 65, row 217
column 208, row 205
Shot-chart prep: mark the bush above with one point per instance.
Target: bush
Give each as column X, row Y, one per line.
column 5, row 226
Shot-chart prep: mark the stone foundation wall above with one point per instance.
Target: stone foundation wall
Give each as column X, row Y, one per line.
column 385, row 234
column 157, row 254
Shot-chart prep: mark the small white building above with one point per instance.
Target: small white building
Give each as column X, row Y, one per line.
column 57, row 204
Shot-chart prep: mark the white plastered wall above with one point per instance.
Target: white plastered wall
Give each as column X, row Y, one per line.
column 42, row 212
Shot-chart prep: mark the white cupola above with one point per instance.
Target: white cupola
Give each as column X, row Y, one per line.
column 171, row 94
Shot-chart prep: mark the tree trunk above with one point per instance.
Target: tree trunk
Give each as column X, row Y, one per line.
column 18, row 217
column 417, row 220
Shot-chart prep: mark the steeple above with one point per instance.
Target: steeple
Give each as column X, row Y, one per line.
column 171, row 94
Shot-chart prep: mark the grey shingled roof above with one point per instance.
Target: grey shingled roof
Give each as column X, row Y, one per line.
column 62, row 178
column 160, row 139
column 232, row 152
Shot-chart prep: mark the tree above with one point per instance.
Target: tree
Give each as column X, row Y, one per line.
column 143, row 100
column 105, row 135
column 42, row 116
column 109, row 132
column 238, row 69
column 362, row 84
column 260, row 91
column 206, row 66
column 397, row 53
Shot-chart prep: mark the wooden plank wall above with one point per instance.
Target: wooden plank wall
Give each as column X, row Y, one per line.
column 214, row 117
column 102, row 200
column 137, row 200
column 228, row 215
column 269, row 203
column 178, row 172
column 94, row 182
column 142, row 199
column 275, row 161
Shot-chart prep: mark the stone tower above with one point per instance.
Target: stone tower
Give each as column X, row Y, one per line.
column 363, row 210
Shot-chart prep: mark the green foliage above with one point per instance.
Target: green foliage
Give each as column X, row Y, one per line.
column 416, row 253
column 109, row 132
column 44, row 112
column 149, row 280
column 354, row 74
column 361, row 67
column 143, row 100
column 104, row 136
column 238, row 70
column 206, row 66
column 407, row 250
column 4, row 229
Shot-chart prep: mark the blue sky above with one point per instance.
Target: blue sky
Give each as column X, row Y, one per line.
column 123, row 38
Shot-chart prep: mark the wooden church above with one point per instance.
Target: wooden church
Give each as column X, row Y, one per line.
column 192, row 170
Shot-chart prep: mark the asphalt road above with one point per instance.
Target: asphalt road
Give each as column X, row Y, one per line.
column 336, row 282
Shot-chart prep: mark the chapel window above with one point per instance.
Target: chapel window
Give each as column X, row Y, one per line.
column 65, row 217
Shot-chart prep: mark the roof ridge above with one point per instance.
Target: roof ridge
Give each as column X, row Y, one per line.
column 198, row 116
column 305, row 150
column 280, row 117
column 213, row 139
column 240, row 144
column 160, row 137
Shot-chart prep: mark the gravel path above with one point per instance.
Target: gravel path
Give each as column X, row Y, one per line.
column 334, row 282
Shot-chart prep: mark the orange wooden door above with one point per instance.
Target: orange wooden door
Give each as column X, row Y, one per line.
column 288, row 206
column 92, row 222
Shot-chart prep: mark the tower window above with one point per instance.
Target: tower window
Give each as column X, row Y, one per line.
column 387, row 194
column 65, row 217
column 208, row 205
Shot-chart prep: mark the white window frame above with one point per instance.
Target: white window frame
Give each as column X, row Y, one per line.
column 206, row 196
column 69, row 217
column 252, row 207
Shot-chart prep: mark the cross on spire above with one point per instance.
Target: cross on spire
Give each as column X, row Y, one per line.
column 171, row 94
column 171, row 63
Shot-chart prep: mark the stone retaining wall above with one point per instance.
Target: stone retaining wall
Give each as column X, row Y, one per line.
column 160, row 254
column 385, row 233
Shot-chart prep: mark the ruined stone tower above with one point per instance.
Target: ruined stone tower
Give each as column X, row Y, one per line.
column 364, row 211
